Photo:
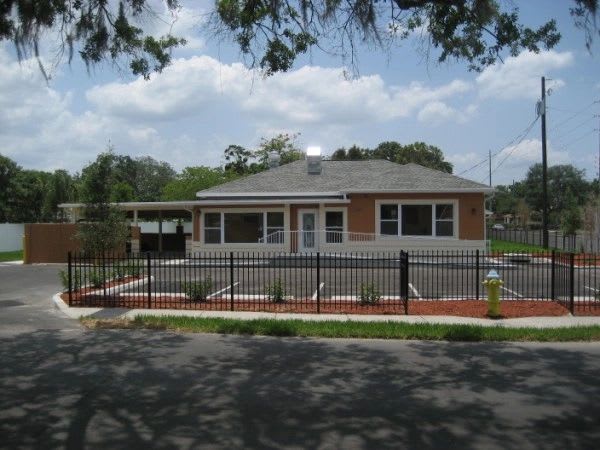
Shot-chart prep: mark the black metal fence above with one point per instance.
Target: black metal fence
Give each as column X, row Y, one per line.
column 344, row 283
column 579, row 242
column 243, row 282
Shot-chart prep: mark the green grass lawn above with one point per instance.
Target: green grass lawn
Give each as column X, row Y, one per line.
column 368, row 330
column 510, row 247
column 11, row 256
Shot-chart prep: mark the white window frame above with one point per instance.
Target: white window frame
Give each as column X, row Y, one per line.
column 429, row 202
column 323, row 220
column 262, row 211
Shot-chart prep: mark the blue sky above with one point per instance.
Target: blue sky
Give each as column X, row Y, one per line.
column 207, row 100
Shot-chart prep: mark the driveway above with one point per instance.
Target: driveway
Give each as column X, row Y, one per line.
column 63, row 386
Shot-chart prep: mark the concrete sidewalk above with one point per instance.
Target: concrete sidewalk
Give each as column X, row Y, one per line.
column 124, row 313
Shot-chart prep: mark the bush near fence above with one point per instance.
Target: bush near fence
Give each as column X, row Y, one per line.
column 350, row 283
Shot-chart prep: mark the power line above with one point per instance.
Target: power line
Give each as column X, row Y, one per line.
column 515, row 146
column 581, row 111
column 520, row 135
column 561, row 136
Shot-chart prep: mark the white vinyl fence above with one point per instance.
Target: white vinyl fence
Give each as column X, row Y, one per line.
column 11, row 237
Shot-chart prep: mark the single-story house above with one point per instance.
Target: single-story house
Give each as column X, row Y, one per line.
column 333, row 206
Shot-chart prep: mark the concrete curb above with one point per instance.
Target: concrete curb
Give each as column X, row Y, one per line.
column 124, row 313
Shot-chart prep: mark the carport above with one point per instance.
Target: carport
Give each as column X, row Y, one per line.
column 154, row 212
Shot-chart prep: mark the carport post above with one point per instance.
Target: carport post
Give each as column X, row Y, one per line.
column 318, row 282
column 231, row 278
column 70, row 277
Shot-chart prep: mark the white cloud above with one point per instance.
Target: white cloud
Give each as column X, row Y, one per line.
column 519, row 76
column 437, row 112
column 309, row 95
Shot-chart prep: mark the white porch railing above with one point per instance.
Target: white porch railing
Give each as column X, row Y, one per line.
column 327, row 240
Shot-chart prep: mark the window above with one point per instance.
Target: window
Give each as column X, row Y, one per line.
column 444, row 220
column 389, row 220
column 334, row 227
column 212, row 228
column 416, row 220
column 275, row 228
column 411, row 219
column 244, row 227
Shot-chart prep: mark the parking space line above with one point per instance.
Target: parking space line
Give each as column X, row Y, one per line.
column 223, row 290
column 512, row 292
column 592, row 289
column 414, row 291
column 314, row 297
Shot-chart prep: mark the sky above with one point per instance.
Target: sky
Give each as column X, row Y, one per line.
column 207, row 99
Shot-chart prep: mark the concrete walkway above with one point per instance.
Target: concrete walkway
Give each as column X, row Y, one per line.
column 124, row 313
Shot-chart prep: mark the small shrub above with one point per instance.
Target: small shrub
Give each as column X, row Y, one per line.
column 119, row 271
column 64, row 279
column 96, row 279
column 369, row 295
column 134, row 268
column 198, row 290
column 276, row 291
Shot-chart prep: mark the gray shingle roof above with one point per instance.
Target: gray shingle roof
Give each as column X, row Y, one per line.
column 347, row 177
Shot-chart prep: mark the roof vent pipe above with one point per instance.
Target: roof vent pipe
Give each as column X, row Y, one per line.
column 274, row 159
column 313, row 160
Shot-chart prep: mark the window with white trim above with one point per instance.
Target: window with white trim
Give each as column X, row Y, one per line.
column 275, row 228
column 244, row 227
column 334, row 227
column 417, row 219
column 212, row 228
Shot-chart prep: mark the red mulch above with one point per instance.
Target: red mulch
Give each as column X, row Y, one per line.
column 463, row 308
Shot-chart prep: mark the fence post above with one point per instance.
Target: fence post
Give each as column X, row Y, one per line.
column 318, row 283
column 149, row 281
column 231, row 279
column 477, row 274
column 104, row 276
column 553, row 275
column 70, row 276
column 404, row 279
column 572, row 284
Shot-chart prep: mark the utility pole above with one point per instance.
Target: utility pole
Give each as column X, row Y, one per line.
column 544, row 169
column 490, row 157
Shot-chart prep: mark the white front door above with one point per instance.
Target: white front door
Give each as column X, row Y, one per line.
column 307, row 230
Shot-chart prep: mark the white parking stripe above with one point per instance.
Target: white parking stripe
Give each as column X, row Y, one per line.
column 512, row 292
column 314, row 297
column 223, row 290
column 414, row 291
column 592, row 289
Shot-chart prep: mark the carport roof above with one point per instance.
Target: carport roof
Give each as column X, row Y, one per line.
column 342, row 177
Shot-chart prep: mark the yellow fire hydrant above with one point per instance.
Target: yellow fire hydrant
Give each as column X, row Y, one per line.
column 493, row 283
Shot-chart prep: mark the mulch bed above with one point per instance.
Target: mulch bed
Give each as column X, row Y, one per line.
column 463, row 308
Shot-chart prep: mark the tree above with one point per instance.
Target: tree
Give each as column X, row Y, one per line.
column 151, row 177
column 566, row 184
column 283, row 144
column 27, row 196
column 61, row 189
column 192, row 180
column 8, row 172
column 522, row 213
column 480, row 32
column 417, row 153
column 237, row 160
column 98, row 30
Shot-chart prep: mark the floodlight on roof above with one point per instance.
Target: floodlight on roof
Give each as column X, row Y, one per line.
column 313, row 151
